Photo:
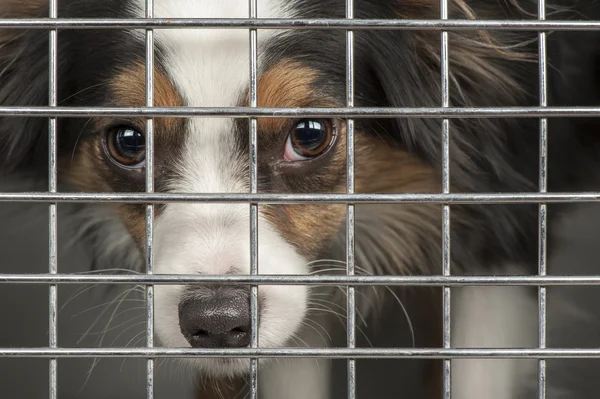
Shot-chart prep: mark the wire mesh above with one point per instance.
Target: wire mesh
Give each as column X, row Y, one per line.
column 253, row 199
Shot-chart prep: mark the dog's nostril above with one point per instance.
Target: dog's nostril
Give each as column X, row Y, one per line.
column 216, row 319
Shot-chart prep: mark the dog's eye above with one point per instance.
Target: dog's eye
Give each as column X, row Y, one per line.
column 126, row 146
column 308, row 139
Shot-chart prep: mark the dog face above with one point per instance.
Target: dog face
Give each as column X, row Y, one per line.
column 210, row 68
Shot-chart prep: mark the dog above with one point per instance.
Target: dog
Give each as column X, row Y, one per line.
column 305, row 68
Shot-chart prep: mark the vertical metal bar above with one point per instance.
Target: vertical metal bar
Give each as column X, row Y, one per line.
column 446, row 311
column 543, row 182
column 253, row 207
column 351, row 299
column 149, row 207
column 52, row 187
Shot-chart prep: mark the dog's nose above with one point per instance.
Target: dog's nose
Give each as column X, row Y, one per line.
column 216, row 318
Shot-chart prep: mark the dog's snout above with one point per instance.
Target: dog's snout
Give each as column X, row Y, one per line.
column 216, row 318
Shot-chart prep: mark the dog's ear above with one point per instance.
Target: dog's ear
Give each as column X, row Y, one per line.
column 24, row 73
column 486, row 69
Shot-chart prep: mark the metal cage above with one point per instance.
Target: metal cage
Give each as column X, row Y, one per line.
column 52, row 278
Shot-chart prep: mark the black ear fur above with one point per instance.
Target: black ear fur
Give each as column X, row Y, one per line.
column 480, row 149
column 23, row 82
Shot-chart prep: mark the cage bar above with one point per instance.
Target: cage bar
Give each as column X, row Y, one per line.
column 52, row 208
column 284, row 112
column 253, row 5
column 149, row 207
column 446, row 293
column 356, row 280
column 328, row 23
column 350, row 290
column 329, row 353
column 453, row 198
column 543, row 187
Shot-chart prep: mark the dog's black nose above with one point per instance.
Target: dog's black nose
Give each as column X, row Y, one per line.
column 216, row 318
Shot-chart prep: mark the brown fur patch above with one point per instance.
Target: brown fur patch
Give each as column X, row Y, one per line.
column 306, row 227
column 85, row 170
column 129, row 89
column 380, row 168
column 89, row 169
column 287, row 84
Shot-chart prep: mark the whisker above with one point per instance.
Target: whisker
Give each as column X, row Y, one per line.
column 339, row 317
column 106, row 304
column 114, row 313
column 138, row 338
column 121, row 324
column 408, row 320
column 123, row 294
column 315, row 330
column 110, row 271
column 77, row 140
column 341, row 268
column 97, row 85
column 124, row 331
column 77, row 293
column 327, row 302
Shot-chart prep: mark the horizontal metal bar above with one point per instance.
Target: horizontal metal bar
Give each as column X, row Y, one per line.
column 176, row 279
column 268, row 23
column 339, row 112
column 407, row 198
column 364, row 353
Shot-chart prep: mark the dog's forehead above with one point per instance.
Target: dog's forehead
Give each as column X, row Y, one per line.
column 210, row 67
